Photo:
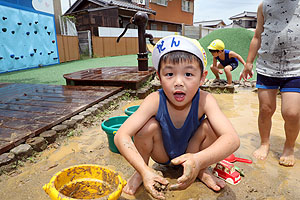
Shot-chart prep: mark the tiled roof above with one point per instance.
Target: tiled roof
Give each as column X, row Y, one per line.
column 127, row 5
column 244, row 14
column 119, row 3
column 210, row 22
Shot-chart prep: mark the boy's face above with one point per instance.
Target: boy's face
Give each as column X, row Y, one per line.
column 216, row 53
column 181, row 81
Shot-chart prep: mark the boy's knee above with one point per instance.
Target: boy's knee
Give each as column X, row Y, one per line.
column 206, row 129
column 150, row 127
column 205, row 125
column 227, row 69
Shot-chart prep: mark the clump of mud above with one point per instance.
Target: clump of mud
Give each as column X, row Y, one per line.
column 161, row 187
column 86, row 190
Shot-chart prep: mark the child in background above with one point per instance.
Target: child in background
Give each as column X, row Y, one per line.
column 179, row 124
column 223, row 59
column 277, row 42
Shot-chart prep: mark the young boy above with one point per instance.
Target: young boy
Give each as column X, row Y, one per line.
column 277, row 43
column 179, row 124
column 228, row 60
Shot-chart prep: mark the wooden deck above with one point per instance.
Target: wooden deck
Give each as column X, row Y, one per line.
column 127, row 77
column 26, row 110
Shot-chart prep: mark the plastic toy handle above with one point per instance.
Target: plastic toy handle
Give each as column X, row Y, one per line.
column 243, row 160
column 239, row 171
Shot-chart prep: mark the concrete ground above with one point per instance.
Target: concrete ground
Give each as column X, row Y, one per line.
column 88, row 145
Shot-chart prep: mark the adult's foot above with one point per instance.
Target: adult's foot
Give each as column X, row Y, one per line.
column 287, row 158
column 262, row 152
column 211, row 181
column 133, row 184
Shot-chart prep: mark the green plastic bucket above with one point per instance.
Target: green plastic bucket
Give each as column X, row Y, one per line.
column 130, row 110
column 111, row 126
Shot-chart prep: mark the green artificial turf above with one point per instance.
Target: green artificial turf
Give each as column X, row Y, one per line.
column 53, row 75
column 236, row 39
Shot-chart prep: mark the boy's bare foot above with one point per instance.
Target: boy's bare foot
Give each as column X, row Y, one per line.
column 229, row 85
column 133, row 184
column 216, row 80
column 262, row 152
column 211, row 181
column 287, row 158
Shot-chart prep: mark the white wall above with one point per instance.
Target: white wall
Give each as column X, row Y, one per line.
column 116, row 32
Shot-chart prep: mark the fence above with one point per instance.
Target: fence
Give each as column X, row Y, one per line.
column 196, row 32
column 108, row 46
column 68, row 48
column 85, row 43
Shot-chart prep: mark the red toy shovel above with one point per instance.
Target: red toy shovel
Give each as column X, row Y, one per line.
column 232, row 158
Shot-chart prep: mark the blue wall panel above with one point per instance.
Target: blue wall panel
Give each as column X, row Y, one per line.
column 27, row 36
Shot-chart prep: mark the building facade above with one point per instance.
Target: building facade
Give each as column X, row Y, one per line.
column 245, row 20
column 165, row 15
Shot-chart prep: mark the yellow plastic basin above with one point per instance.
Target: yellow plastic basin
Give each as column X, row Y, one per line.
column 85, row 182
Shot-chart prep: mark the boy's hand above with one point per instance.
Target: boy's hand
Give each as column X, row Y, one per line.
column 191, row 170
column 152, row 180
column 247, row 72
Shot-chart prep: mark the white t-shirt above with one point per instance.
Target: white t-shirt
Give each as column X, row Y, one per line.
column 279, row 54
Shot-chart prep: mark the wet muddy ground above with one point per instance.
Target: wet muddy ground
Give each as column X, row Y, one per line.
column 263, row 179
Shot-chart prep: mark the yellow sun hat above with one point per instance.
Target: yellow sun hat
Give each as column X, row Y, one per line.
column 177, row 43
column 216, row 45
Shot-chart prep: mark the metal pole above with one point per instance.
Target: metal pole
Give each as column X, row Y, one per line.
column 141, row 20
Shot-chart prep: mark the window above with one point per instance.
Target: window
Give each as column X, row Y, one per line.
column 153, row 26
column 179, row 29
column 160, row 2
column 187, row 6
column 220, row 167
column 165, row 27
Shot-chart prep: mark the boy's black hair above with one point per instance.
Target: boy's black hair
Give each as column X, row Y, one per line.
column 212, row 51
column 176, row 57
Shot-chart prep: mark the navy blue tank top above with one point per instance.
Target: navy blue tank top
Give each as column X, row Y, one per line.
column 227, row 60
column 176, row 140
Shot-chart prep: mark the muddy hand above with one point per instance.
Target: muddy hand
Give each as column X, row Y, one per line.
column 190, row 171
column 155, row 184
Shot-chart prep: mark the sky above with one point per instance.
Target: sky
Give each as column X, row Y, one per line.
column 222, row 9
column 209, row 9
column 65, row 5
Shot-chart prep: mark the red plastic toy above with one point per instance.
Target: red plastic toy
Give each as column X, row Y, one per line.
column 232, row 158
column 226, row 171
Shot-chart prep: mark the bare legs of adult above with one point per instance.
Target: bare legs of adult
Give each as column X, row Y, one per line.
column 267, row 107
column 290, row 110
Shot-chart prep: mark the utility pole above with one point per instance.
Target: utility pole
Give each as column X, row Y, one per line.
column 57, row 14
